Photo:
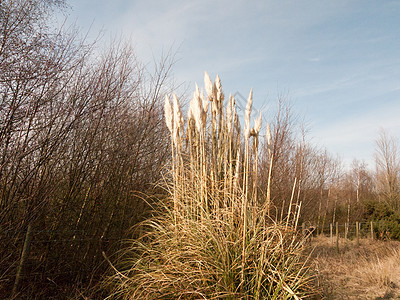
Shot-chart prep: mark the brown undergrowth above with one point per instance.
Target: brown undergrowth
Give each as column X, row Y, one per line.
column 368, row 271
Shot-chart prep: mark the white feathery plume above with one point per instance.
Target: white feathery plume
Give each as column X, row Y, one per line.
column 229, row 112
column 249, row 105
column 268, row 137
column 204, row 103
column 178, row 119
column 214, row 106
column 218, row 84
column 257, row 124
column 220, row 94
column 247, row 115
column 190, row 113
column 209, row 86
column 168, row 113
column 196, row 107
column 197, row 90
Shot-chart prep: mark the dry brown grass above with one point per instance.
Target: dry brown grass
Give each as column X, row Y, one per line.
column 369, row 271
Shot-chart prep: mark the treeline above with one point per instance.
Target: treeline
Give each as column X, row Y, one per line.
column 321, row 186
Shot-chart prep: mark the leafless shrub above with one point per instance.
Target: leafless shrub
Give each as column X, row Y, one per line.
column 81, row 137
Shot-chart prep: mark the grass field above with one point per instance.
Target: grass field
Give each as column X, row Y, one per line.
column 368, row 271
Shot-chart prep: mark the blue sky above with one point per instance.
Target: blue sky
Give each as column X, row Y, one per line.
column 337, row 61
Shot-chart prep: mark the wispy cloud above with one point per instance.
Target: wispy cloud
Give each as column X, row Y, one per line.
column 314, row 59
column 356, row 133
column 339, row 59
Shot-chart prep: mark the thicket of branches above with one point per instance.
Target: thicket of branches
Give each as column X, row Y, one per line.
column 81, row 136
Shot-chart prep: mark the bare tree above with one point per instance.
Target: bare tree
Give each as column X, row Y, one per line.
column 361, row 180
column 387, row 161
column 302, row 175
column 282, row 149
column 35, row 69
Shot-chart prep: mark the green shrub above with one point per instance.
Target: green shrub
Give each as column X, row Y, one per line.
column 386, row 220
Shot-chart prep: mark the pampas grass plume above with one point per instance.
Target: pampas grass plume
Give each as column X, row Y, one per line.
column 190, row 114
column 247, row 114
column 196, row 106
column 257, row 124
column 220, row 94
column 209, row 86
column 178, row 119
column 168, row 113
column 205, row 103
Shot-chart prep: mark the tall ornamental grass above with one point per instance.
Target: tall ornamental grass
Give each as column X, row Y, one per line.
column 212, row 237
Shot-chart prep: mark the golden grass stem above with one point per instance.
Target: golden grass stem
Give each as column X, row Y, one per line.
column 291, row 201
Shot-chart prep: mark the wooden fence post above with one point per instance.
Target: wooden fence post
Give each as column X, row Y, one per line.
column 337, row 236
column 358, row 233
column 346, row 229
column 331, row 232
column 372, row 230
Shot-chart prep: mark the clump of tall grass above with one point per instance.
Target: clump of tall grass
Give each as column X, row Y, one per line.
column 214, row 238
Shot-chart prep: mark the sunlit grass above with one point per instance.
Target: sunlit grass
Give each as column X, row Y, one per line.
column 213, row 238
column 368, row 271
